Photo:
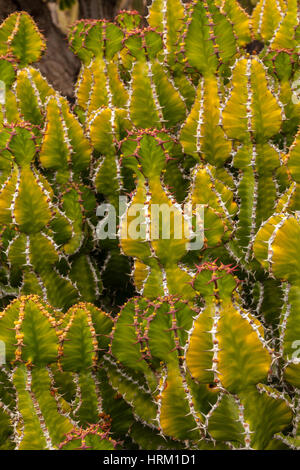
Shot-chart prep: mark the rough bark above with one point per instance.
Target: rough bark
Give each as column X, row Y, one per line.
column 97, row 9
column 109, row 8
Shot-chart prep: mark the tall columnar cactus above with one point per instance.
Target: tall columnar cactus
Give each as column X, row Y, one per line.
column 154, row 244
column 276, row 252
column 271, row 22
column 217, row 45
column 203, row 138
column 151, row 84
column 197, row 108
column 34, row 221
column 41, row 348
column 252, row 122
column 197, row 367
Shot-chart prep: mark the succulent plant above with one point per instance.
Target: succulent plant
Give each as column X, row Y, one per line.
column 144, row 340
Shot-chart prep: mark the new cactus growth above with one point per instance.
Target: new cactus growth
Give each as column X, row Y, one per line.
column 143, row 338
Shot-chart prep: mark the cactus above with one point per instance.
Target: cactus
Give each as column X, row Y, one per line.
column 21, row 39
column 275, row 234
column 91, row 438
column 156, row 267
column 143, row 341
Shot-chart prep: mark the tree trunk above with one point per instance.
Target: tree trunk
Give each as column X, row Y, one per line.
column 97, row 9
column 109, row 8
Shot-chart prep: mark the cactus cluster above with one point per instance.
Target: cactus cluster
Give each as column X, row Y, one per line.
column 149, row 342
